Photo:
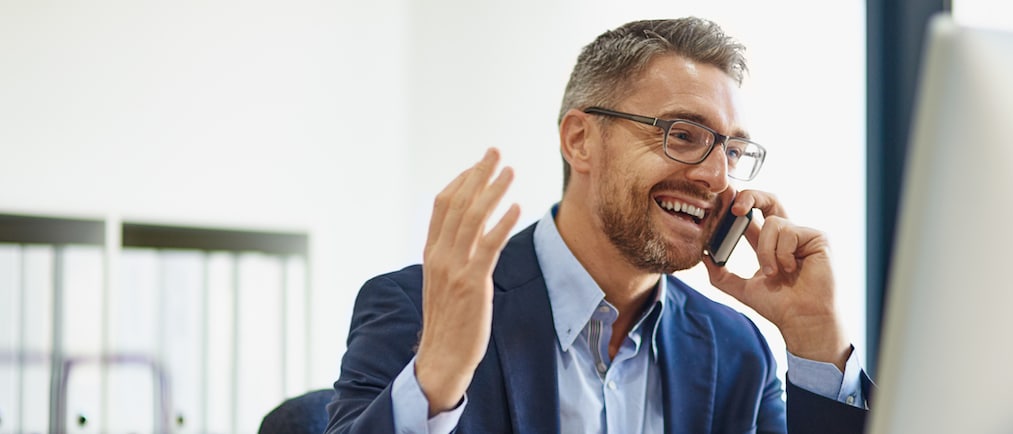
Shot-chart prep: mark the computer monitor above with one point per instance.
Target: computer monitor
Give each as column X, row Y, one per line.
column 946, row 361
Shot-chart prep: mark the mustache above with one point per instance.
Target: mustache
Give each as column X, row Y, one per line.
column 689, row 188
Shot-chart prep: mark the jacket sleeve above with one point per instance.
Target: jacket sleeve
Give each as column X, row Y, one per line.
column 382, row 339
column 811, row 413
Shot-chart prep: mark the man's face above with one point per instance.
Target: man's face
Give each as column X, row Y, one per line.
column 658, row 212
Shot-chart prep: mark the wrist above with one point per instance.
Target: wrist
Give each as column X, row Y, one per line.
column 443, row 385
column 821, row 342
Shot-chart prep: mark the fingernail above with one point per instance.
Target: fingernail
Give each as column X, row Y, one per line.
column 768, row 270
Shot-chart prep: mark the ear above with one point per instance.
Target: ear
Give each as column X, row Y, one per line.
column 576, row 134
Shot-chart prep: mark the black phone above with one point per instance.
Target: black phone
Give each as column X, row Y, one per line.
column 726, row 235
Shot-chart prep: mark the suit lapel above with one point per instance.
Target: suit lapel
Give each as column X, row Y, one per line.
column 523, row 335
column 687, row 353
column 524, row 338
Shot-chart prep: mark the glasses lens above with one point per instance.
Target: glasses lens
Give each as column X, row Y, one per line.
column 744, row 159
column 688, row 142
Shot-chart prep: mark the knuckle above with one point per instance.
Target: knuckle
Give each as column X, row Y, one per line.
column 458, row 202
column 776, row 220
column 442, row 199
column 474, row 214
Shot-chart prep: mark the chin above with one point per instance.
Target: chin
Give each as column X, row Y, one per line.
column 669, row 257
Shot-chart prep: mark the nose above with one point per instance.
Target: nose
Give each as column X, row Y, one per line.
column 712, row 171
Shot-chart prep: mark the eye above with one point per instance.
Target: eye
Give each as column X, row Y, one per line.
column 688, row 136
column 681, row 135
column 735, row 150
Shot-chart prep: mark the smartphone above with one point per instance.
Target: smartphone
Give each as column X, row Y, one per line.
column 726, row 235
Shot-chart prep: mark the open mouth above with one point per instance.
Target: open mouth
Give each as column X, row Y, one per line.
column 682, row 210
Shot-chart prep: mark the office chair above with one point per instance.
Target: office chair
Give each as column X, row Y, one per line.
column 303, row 414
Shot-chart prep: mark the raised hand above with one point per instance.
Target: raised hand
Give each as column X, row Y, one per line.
column 794, row 287
column 458, row 262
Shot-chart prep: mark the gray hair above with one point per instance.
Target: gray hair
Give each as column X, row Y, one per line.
column 606, row 67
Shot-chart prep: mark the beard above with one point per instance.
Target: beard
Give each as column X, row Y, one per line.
column 625, row 217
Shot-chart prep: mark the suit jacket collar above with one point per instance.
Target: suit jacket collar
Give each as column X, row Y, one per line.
column 687, row 345
column 524, row 339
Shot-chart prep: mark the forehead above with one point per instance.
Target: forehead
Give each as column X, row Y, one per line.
column 672, row 86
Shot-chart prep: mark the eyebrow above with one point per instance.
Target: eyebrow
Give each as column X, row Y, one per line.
column 700, row 119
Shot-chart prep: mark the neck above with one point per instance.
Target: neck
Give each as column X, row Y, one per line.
column 625, row 286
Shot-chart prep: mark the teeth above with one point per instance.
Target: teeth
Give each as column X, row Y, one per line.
column 683, row 208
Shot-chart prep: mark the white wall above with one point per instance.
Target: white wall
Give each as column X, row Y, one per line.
column 344, row 120
column 247, row 114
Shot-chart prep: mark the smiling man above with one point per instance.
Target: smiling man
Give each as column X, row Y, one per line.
column 576, row 324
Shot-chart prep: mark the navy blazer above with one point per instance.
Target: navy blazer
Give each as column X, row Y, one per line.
column 717, row 370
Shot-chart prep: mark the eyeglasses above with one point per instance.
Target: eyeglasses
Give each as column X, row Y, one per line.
column 690, row 143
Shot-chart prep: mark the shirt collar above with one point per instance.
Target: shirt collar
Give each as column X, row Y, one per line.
column 573, row 294
column 651, row 316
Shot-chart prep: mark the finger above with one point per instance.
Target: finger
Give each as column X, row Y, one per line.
column 765, row 246
column 473, row 223
column 742, row 203
column 475, row 180
column 487, row 251
column 726, row 199
column 811, row 242
column 440, row 205
column 787, row 245
column 767, row 203
column 753, row 234
column 726, row 281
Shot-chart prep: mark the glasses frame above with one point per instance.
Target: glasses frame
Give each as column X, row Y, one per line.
column 666, row 126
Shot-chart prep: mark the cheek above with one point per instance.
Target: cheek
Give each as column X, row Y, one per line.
column 636, row 169
column 609, row 171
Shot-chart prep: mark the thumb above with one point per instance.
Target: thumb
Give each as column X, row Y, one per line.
column 726, row 281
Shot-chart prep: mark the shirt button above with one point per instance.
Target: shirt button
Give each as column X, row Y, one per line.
column 851, row 400
column 612, row 385
column 603, row 309
column 602, row 367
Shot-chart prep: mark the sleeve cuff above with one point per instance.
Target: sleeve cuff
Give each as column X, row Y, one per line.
column 826, row 380
column 411, row 407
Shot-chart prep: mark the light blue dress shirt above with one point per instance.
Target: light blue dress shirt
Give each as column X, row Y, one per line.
column 599, row 394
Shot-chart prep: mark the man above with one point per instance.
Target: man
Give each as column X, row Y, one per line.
column 575, row 324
